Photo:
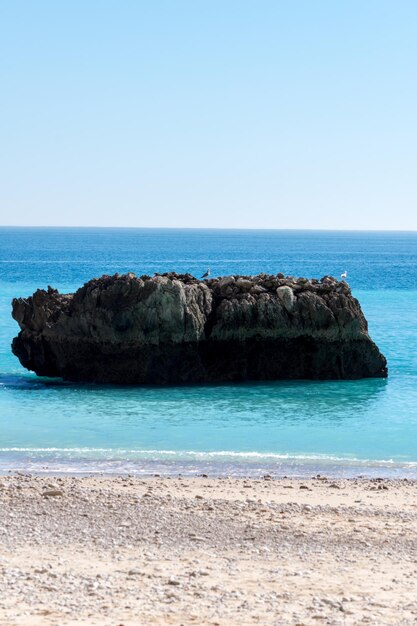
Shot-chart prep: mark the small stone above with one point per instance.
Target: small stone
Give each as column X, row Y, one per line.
column 135, row 571
column 52, row 493
column 196, row 538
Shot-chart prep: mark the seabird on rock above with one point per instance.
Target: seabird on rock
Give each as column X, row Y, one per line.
column 207, row 274
column 344, row 275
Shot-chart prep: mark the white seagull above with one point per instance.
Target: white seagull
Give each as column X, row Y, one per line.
column 344, row 275
column 207, row 274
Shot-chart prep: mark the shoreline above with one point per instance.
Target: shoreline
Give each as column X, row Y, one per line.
column 219, row 551
column 237, row 466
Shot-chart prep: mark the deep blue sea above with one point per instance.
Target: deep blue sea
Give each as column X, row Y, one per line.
column 366, row 427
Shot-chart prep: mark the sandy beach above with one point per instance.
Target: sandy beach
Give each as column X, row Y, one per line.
column 128, row 551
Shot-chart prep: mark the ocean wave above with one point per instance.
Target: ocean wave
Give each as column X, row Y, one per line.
column 118, row 454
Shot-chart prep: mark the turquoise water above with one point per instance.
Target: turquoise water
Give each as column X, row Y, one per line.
column 298, row 428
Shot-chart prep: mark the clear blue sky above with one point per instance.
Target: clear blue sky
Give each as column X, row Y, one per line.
column 215, row 113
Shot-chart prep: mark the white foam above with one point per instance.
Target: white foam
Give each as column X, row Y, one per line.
column 207, row 455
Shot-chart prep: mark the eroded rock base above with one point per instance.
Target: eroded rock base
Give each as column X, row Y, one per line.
column 286, row 359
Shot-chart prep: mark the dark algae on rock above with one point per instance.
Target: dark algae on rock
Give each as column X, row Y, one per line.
column 173, row 328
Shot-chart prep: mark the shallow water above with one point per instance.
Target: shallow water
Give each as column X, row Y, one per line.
column 298, row 428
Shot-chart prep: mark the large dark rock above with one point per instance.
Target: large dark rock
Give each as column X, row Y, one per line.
column 174, row 329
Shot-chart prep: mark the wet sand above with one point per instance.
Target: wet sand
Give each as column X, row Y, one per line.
column 129, row 551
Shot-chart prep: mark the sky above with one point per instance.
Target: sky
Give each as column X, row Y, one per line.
column 220, row 113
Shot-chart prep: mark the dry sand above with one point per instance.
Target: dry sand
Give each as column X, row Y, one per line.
column 130, row 551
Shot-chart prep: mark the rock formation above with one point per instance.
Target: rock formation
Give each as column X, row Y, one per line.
column 173, row 328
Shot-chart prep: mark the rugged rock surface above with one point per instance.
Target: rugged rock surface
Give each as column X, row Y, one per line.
column 175, row 328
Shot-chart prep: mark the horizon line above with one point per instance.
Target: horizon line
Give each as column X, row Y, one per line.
column 209, row 228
